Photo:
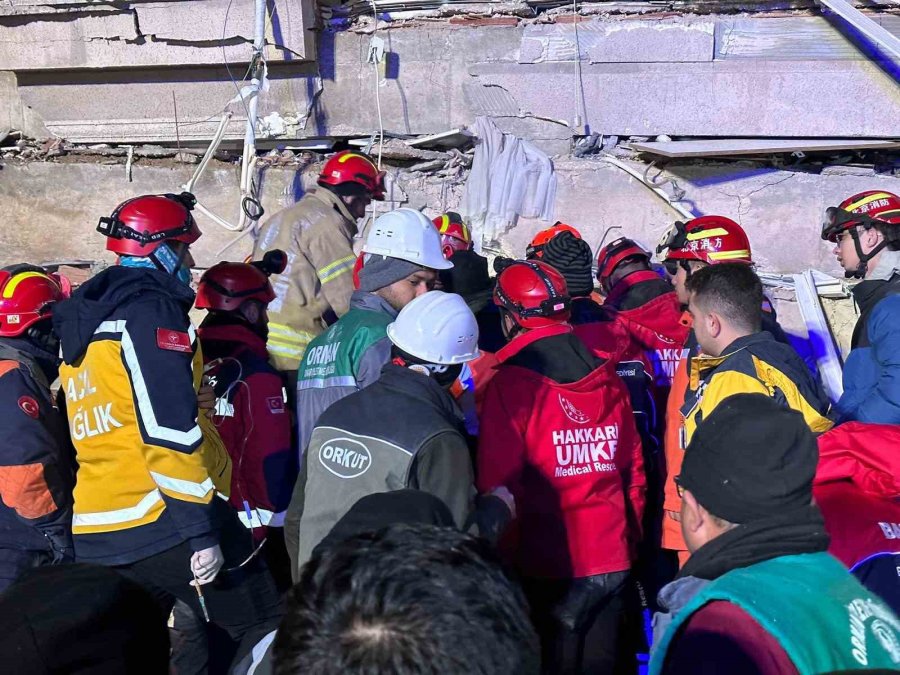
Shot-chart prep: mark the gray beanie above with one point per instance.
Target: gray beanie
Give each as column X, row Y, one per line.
column 379, row 271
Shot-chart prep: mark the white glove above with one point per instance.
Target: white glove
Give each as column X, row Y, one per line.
column 503, row 493
column 206, row 564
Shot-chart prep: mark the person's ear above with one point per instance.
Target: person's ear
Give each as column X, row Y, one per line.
column 692, row 514
column 871, row 237
column 251, row 312
column 713, row 324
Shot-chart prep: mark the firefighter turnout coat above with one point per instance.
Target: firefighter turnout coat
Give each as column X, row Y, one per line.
column 148, row 466
column 317, row 235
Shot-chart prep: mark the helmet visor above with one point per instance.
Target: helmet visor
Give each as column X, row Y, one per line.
column 674, row 238
column 838, row 220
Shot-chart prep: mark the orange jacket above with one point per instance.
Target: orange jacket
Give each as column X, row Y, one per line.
column 671, row 529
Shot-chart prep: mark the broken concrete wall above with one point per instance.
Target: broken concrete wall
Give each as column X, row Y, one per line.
column 710, row 75
column 95, row 35
column 780, row 209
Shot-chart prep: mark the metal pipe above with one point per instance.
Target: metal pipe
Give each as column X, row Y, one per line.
column 865, row 25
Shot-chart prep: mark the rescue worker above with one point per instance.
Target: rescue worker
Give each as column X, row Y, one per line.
column 317, row 234
column 626, row 278
column 150, row 468
column 403, row 254
column 37, row 471
column 455, row 234
column 646, row 305
column 684, row 249
column 737, row 356
column 760, row 593
column 857, row 487
column 251, row 413
column 535, row 250
column 865, row 229
column 558, row 432
column 457, row 238
column 359, row 448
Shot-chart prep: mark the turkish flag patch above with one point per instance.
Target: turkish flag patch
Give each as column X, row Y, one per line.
column 276, row 405
column 173, row 340
column 29, row 406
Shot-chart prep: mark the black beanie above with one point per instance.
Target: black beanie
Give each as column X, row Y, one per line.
column 81, row 619
column 751, row 459
column 382, row 509
column 468, row 276
column 572, row 257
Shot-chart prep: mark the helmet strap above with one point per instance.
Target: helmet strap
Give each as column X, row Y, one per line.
column 864, row 258
column 509, row 333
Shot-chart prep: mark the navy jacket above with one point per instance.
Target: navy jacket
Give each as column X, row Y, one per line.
column 37, row 469
column 872, row 371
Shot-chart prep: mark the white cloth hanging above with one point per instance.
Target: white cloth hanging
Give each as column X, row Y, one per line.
column 510, row 178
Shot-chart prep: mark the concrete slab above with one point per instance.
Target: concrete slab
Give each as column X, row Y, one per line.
column 152, row 34
column 723, row 98
column 620, row 41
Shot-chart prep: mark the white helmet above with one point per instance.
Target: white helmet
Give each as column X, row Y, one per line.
column 408, row 235
column 436, row 327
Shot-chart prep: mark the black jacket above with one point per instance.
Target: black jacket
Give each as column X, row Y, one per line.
column 402, row 431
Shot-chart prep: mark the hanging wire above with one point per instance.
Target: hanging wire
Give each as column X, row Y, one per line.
column 377, row 88
column 579, row 85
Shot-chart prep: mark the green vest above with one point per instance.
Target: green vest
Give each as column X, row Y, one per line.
column 332, row 358
column 822, row 617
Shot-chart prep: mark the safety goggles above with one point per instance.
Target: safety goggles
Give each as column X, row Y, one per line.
column 837, row 220
column 672, row 267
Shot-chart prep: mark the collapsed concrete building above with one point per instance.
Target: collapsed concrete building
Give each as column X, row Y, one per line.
column 627, row 114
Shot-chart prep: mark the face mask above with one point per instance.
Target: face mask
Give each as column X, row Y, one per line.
column 164, row 259
column 172, row 262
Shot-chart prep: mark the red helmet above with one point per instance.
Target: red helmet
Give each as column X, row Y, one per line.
column 709, row 239
column 867, row 209
column 26, row 297
column 138, row 226
column 614, row 253
column 455, row 235
column 357, row 266
column 534, row 293
column 354, row 167
column 227, row 285
column 536, row 247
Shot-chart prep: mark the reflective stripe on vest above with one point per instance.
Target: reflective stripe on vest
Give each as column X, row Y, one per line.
column 119, row 516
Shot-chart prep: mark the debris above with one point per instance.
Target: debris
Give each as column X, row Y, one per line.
column 757, row 146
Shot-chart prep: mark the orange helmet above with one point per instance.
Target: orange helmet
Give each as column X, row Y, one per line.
column 709, row 239
column 455, row 234
column 354, row 167
column 536, row 247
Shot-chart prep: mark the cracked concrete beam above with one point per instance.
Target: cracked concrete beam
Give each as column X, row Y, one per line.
column 620, row 41
column 152, row 34
column 16, row 115
column 202, row 23
column 45, row 7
